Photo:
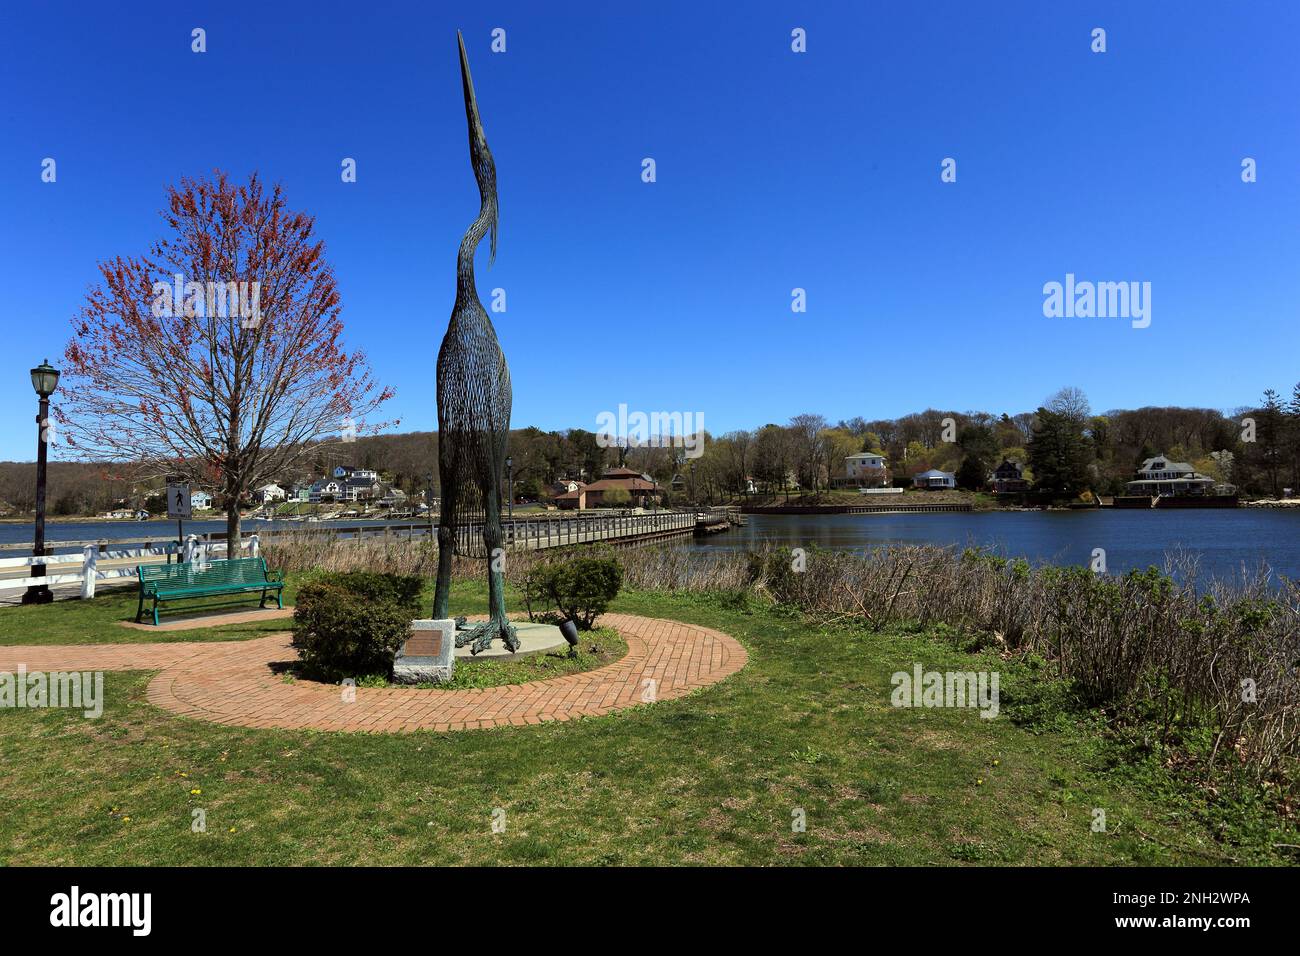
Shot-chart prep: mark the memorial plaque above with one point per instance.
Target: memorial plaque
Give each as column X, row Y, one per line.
column 428, row 654
column 423, row 644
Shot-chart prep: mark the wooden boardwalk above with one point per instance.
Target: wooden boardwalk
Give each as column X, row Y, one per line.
column 117, row 558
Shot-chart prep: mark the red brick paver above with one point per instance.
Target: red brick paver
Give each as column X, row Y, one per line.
column 232, row 682
column 195, row 622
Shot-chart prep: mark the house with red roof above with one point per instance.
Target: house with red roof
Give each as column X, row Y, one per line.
column 641, row 490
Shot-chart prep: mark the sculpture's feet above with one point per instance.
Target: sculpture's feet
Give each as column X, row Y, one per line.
column 510, row 636
column 480, row 636
column 467, row 633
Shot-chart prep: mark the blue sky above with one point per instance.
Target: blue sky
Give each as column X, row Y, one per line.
column 775, row 170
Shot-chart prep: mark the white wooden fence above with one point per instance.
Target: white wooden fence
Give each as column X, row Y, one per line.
column 84, row 568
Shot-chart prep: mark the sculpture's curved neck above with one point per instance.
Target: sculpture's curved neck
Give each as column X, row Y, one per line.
column 480, row 227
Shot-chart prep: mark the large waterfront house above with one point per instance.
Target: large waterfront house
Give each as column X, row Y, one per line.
column 348, row 484
column 326, row 489
column 200, row 501
column 934, row 478
column 641, row 489
column 1008, row 478
column 1160, row 476
column 866, row 469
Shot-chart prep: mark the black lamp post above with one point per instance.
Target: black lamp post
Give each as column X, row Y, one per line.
column 45, row 379
column 510, row 484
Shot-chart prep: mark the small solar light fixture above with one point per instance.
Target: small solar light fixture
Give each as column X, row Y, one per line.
column 570, row 631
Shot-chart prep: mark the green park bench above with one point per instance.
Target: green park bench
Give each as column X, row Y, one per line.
column 175, row 582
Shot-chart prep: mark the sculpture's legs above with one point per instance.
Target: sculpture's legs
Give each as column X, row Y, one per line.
column 446, row 551
column 494, row 541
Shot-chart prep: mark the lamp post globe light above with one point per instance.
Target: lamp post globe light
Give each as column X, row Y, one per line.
column 45, row 379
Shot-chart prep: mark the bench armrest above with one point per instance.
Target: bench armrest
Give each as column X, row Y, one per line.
column 276, row 576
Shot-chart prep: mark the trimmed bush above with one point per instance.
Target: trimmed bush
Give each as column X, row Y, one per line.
column 403, row 589
column 351, row 624
column 580, row 589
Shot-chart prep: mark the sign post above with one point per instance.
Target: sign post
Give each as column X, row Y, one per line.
column 179, row 507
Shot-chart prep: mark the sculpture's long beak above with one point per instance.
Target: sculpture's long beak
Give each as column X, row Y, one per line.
column 471, row 103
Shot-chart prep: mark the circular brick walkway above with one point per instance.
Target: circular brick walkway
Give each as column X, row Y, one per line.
column 233, row 682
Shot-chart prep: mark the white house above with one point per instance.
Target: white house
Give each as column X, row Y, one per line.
column 1160, row 476
column 266, row 493
column 200, row 501
column 866, row 468
column 934, row 478
column 348, row 484
column 326, row 489
column 356, row 483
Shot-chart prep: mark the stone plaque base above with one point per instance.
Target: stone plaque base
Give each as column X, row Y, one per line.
column 428, row 654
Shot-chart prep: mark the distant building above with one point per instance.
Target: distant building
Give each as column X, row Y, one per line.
column 573, row 500
column 565, row 485
column 866, row 469
column 1160, row 476
column 200, row 501
column 268, row 493
column 347, row 484
column 1008, row 478
column 326, row 489
column 934, row 478
column 641, row 490
column 391, row 497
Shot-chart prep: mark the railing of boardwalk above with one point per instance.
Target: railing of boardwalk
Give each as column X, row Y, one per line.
column 83, row 562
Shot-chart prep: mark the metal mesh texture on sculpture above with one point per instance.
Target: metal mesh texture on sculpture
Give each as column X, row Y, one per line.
column 473, row 410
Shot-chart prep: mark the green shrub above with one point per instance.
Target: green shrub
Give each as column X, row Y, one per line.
column 403, row 589
column 580, row 589
column 350, row 624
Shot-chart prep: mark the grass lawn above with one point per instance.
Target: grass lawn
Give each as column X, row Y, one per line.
column 96, row 621
column 716, row 777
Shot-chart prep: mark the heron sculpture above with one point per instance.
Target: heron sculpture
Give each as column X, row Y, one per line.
column 473, row 407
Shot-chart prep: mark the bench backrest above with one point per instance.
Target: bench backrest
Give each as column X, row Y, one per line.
column 194, row 574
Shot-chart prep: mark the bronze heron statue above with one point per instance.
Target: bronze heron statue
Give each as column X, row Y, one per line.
column 473, row 406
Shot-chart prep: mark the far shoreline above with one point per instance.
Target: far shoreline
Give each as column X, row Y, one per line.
column 1281, row 504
